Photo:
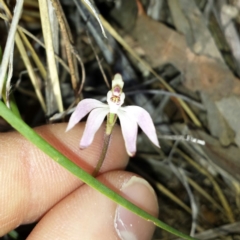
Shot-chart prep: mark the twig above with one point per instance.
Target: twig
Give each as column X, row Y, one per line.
column 181, row 176
column 98, row 60
column 47, row 34
column 26, row 61
column 9, row 77
column 68, row 40
column 10, row 41
column 89, row 5
column 216, row 187
column 60, row 60
column 76, row 54
column 31, row 72
column 163, row 92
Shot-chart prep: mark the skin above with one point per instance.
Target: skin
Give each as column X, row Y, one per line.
column 35, row 188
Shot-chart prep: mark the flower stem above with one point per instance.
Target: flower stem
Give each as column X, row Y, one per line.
column 111, row 119
column 103, row 154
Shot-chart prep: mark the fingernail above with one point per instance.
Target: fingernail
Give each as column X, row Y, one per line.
column 128, row 225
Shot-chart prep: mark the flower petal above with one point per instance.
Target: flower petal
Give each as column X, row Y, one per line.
column 94, row 121
column 117, row 80
column 82, row 109
column 114, row 106
column 144, row 120
column 129, row 130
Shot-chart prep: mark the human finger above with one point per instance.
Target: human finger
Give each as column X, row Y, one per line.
column 31, row 182
column 87, row 214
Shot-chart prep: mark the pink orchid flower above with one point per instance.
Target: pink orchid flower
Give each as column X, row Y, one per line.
column 130, row 117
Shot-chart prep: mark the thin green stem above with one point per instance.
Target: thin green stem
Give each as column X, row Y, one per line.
column 103, row 154
column 38, row 141
column 111, row 119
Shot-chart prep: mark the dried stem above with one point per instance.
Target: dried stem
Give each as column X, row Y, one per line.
column 68, row 39
column 98, row 60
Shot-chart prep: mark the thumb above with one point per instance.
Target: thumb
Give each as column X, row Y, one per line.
column 128, row 225
column 87, row 214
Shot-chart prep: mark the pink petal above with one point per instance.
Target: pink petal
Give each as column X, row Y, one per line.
column 82, row 109
column 129, row 130
column 94, row 122
column 144, row 120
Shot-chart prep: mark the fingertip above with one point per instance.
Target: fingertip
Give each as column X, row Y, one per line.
column 127, row 224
